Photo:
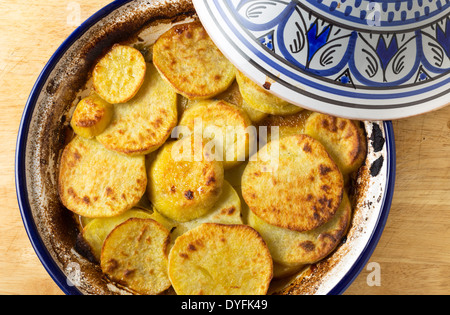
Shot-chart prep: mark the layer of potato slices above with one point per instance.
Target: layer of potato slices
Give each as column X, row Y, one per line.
column 215, row 259
column 119, row 75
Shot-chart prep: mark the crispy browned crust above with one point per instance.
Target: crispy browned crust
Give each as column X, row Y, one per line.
column 53, row 222
column 293, row 249
column 209, row 73
column 94, row 182
column 328, row 240
column 306, row 189
column 143, row 270
column 343, row 139
column 94, row 117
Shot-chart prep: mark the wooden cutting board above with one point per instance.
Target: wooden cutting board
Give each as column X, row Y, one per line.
column 413, row 255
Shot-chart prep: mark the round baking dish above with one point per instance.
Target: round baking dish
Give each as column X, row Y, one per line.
column 52, row 230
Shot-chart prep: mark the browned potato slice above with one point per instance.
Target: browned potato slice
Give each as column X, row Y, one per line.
column 293, row 249
column 118, row 76
column 95, row 182
column 135, row 255
column 183, row 184
column 299, row 189
column 233, row 96
column 343, row 138
column 91, row 116
column 143, row 124
column 262, row 100
column 229, row 126
column 215, row 259
column 96, row 231
column 191, row 63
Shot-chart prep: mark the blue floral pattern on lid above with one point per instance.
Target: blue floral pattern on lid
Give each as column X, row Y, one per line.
column 319, row 47
column 370, row 54
column 385, row 13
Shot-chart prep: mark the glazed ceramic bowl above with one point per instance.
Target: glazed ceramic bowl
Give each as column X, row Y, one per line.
column 52, row 229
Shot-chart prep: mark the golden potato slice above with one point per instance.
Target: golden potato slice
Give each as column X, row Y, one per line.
column 262, row 100
column 227, row 126
column 191, row 63
column 96, row 231
column 299, row 189
column 91, row 116
column 119, row 75
column 184, row 184
column 95, row 182
column 135, row 255
column 233, row 96
column 216, row 259
column 343, row 138
column 291, row 248
column 227, row 210
column 142, row 125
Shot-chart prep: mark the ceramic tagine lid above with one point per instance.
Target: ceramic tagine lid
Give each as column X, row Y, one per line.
column 359, row 59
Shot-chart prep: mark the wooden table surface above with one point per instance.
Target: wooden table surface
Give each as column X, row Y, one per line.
column 413, row 254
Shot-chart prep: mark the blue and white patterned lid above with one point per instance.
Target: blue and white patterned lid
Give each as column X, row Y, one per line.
column 360, row 59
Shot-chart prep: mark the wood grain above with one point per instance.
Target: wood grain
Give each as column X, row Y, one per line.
column 413, row 253
column 414, row 250
column 30, row 32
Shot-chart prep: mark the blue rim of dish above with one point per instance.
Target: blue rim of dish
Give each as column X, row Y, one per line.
column 20, row 169
column 362, row 260
column 22, row 193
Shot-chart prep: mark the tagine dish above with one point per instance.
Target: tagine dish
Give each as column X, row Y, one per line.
column 185, row 177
